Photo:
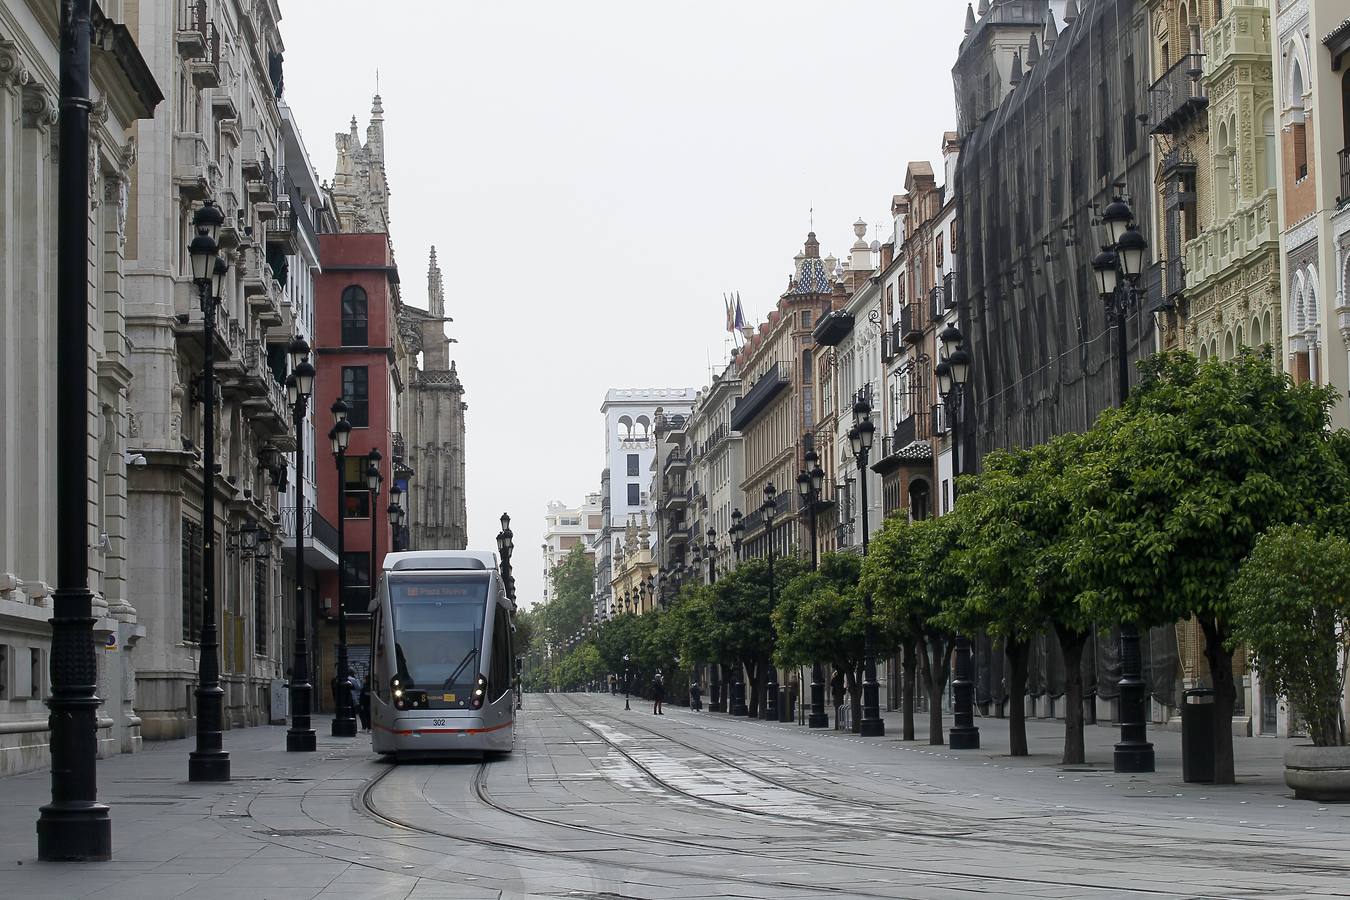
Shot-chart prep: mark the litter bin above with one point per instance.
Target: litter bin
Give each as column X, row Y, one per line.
column 785, row 711
column 1197, row 735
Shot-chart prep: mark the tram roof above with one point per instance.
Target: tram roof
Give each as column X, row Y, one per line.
column 409, row 560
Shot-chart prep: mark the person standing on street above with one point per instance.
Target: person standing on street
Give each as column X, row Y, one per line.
column 695, row 696
column 658, row 693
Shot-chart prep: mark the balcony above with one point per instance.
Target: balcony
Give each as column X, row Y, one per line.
column 254, row 273
column 676, row 499
column 911, row 331
column 1344, row 196
column 1239, row 235
column 191, row 166
column 1178, row 97
column 833, row 328
column 319, row 538
column 204, row 70
column 188, row 325
column 269, row 411
column 281, row 231
column 1172, row 283
column 937, row 303
column 677, row 533
column 251, row 154
column 223, row 107
column 677, row 461
column 758, row 398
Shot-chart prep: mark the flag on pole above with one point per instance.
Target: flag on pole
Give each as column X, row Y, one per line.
column 731, row 316
column 738, row 318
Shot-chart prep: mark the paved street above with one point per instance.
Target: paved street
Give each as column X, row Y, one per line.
column 599, row 803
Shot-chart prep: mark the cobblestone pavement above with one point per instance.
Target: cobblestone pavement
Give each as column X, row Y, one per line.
column 602, row 803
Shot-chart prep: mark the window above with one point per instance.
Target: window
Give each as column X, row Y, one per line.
column 634, row 494
column 807, row 322
column 4, row 672
column 501, row 665
column 37, row 689
column 355, row 490
column 937, row 247
column 633, row 465
column 356, row 391
column 1299, row 139
column 261, row 599
column 806, row 366
column 355, row 321
column 356, row 582
column 191, row 563
column 808, row 410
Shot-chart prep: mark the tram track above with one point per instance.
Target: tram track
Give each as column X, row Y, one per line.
column 1252, row 852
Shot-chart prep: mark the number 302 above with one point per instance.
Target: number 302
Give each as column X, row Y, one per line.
column 436, row 722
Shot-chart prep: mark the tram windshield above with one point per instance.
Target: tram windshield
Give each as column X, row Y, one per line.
column 438, row 630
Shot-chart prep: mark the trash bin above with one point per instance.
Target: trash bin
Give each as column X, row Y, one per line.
column 1197, row 735
column 785, row 710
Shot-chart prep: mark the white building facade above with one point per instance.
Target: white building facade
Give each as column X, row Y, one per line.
column 566, row 527
column 124, row 91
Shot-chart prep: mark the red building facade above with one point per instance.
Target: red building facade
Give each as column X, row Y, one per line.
column 356, row 305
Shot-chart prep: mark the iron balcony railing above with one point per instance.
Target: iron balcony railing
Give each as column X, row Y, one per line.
column 1178, row 95
column 911, row 331
column 316, row 527
column 1345, row 177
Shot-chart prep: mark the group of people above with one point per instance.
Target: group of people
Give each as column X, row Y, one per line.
column 659, row 693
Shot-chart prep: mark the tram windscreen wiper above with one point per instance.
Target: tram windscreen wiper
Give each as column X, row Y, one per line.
column 454, row 678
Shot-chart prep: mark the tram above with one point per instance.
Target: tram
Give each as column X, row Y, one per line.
column 442, row 673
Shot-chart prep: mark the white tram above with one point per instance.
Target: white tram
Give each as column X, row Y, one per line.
column 441, row 678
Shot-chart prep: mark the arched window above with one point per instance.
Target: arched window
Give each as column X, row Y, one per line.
column 1298, row 137
column 355, row 317
column 1223, row 172
column 920, row 502
column 1228, row 346
column 1257, row 338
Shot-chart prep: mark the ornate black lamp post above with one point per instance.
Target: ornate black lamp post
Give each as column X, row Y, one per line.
column 738, row 708
column 299, row 384
column 769, row 710
column 952, row 372
column 712, row 555
column 344, row 718
column 810, row 482
column 715, row 703
column 860, row 440
column 374, row 478
column 627, row 683
column 395, row 511
column 209, row 761
column 73, row 826
column 1124, row 255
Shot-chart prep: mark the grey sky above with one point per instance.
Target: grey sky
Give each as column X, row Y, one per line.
column 595, row 175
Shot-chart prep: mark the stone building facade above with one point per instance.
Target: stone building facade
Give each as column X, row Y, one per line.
column 125, row 91
column 432, row 426
column 715, row 463
column 219, row 138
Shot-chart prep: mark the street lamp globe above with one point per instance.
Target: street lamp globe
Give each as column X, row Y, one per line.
column 298, row 351
column 855, row 440
column 218, row 273
column 202, row 251
column 817, row 478
column 1116, row 218
column 866, row 431
column 207, row 220
column 304, row 378
column 951, row 339
column 292, row 390
column 943, row 371
column 341, row 435
column 1132, row 250
column 804, row 485
column 340, row 410
column 1106, row 268
column 960, row 363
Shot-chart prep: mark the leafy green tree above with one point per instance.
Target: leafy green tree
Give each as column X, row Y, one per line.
column 914, row 574
column 1172, row 490
column 743, row 617
column 1015, row 514
column 821, row 617
column 1291, row 605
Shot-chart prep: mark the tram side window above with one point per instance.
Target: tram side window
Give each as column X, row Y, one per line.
column 500, row 675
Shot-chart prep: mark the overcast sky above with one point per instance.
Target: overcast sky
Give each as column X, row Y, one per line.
column 595, row 175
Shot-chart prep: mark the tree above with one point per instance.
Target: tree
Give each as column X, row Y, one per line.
column 822, row 617
column 1291, row 602
column 913, row 574
column 570, row 606
column 1015, row 515
column 1172, row 490
column 744, row 632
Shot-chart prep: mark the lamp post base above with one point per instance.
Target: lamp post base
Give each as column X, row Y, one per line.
column 301, row 741
column 1131, row 758
column 872, row 727
column 209, row 766
column 344, row 727
column 817, row 720
column 963, row 737
column 74, row 832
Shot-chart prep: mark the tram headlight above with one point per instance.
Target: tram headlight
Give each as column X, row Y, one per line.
column 398, row 692
column 479, row 689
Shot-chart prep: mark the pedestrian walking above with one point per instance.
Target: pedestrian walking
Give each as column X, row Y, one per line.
column 695, row 696
column 363, row 706
column 658, row 693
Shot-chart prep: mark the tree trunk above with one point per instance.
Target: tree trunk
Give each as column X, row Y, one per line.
column 1017, row 696
column 936, row 660
column 1225, row 694
column 1071, row 644
column 751, row 681
column 910, row 665
column 854, row 698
